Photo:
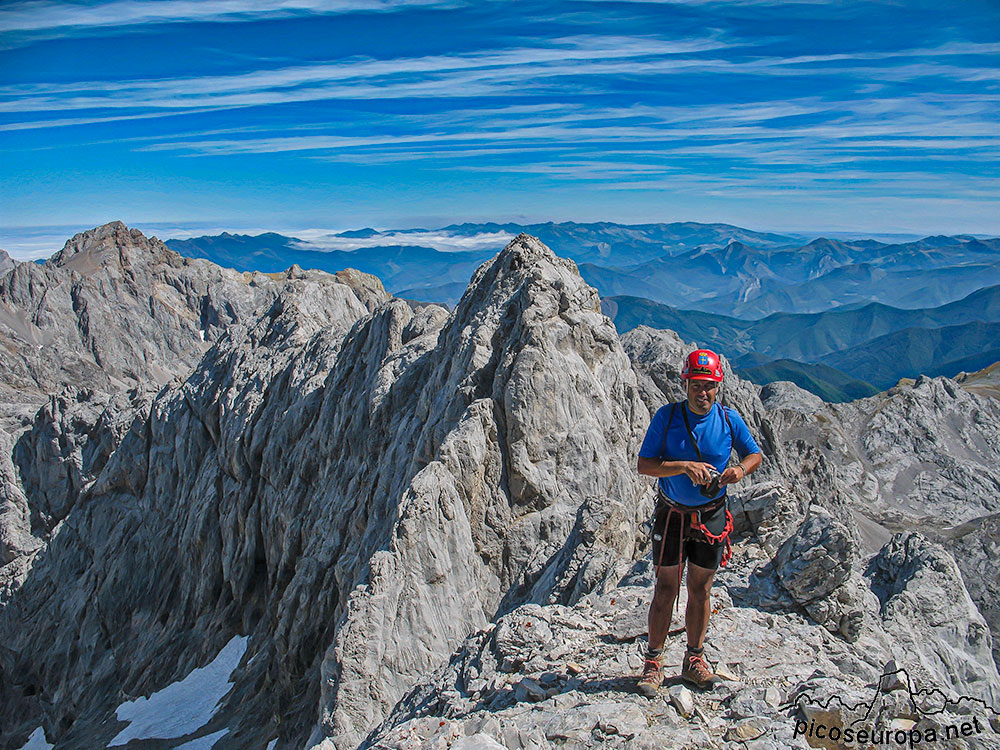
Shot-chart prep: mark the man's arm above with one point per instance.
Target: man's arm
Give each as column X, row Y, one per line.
column 697, row 472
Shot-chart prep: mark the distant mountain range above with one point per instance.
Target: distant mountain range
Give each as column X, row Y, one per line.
column 410, row 266
column 776, row 304
column 709, row 267
column 751, row 282
column 873, row 345
column 400, row 267
column 613, row 245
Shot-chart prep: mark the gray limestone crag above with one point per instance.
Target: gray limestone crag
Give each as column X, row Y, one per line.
column 557, row 676
column 168, row 546
column 100, row 327
column 355, row 485
column 814, row 564
column 112, row 312
column 53, row 463
column 71, row 440
column 114, row 309
column 6, row 262
column 932, row 617
column 526, row 416
column 922, row 456
column 976, row 548
column 785, row 395
column 16, row 540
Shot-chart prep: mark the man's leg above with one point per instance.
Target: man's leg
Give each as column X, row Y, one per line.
column 660, row 611
column 699, row 607
column 699, row 604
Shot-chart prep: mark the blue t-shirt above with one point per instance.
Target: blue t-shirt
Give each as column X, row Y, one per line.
column 714, row 440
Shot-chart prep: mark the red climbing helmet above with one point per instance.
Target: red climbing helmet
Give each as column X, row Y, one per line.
column 702, row 364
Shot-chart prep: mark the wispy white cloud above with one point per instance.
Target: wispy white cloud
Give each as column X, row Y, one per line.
column 47, row 15
column 33, row 243
column 715, row 114
column 884, row 124
column 581, row 64
column 448, row 76
column 71, row 121
column 724, row 3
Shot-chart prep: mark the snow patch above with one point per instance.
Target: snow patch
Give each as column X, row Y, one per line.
column 185, row 706
column 204, row 743
column 37, row 741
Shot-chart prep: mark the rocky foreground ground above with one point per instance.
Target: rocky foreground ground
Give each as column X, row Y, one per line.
column 554, row 676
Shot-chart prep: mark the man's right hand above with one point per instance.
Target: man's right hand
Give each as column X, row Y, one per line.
column 699, row 472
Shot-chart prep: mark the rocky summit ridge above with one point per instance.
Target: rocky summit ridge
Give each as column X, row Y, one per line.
column 428, row 528
column 113, row 310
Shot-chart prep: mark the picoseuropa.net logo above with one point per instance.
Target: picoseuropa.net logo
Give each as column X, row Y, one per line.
column 896, row 716
column 894, row 735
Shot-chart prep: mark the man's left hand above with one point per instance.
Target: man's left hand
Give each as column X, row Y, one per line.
column 731, row 476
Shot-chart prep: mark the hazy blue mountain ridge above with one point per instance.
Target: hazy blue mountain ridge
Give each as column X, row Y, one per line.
column 874, row 345
column 805, row 337
column 398, row 266
column 826, row 382
column 609, row 244
column 710, row 267
column 862, row 283
column 916, row 351
column 752, row 282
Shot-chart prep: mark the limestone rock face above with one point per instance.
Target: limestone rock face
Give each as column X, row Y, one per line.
column 552, row 676
column 356, row 489
column 16, row 540
column 932, row 617
column 815, row 566
column 89, row 337
column 785, row 395
column 976, row 549
column 921, row 456
column 814, row 561
column 526, row 416
column 113, row 309
column 928, row 452
column 69, row 444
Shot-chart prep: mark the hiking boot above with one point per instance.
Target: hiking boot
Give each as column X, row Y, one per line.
column 695, row 670
column 652, row 676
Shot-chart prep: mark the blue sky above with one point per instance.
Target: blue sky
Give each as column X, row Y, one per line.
column 869, row 117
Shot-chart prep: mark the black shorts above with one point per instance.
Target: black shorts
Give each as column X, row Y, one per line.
column 698, row 551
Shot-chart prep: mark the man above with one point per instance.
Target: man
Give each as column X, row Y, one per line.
column 687, row 447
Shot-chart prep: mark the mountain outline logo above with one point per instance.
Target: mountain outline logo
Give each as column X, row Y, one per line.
column 900, row 730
